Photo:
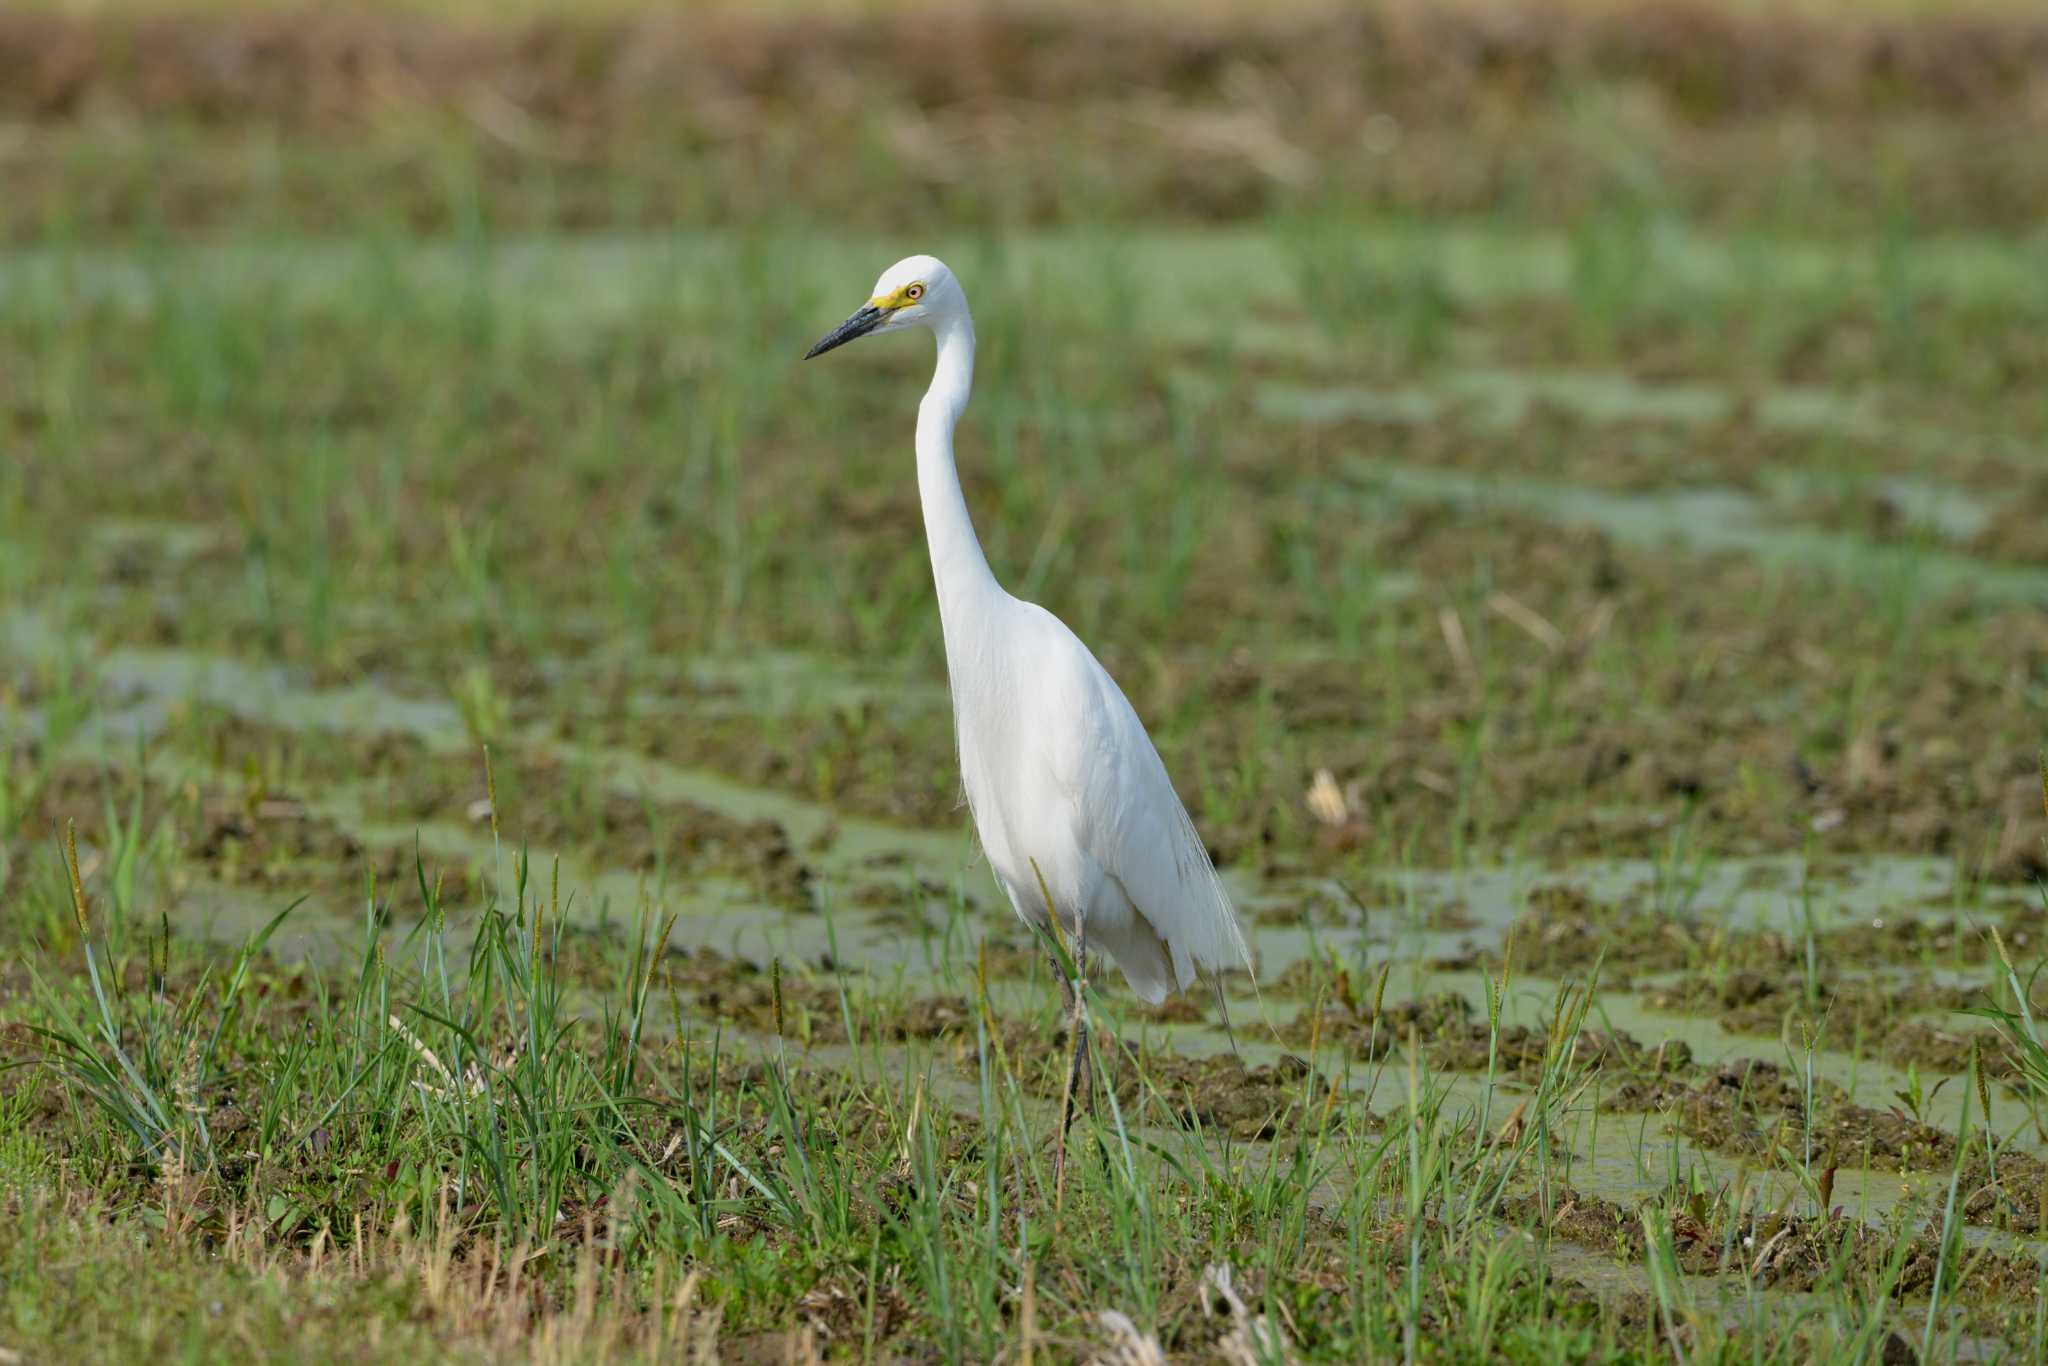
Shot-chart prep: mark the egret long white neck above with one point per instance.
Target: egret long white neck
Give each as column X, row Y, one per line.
column 958, row 567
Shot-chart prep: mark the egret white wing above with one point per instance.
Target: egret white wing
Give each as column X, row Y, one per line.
column 1130, row 821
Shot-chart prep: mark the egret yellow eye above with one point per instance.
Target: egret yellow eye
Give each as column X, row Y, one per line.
column 914, row 293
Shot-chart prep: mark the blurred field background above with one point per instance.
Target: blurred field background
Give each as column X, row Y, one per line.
column 1566, row 486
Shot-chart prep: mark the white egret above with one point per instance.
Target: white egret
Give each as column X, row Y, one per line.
column 1069, row 797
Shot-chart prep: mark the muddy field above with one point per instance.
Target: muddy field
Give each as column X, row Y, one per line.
column 1567, row 491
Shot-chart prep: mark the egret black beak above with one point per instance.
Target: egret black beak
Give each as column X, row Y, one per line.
column 854, row 328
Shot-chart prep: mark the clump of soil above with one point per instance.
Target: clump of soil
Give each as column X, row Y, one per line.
column 1219, row 1092
column 268, row 755
column 1373, row 1032
column 931, row 1017
column 1757, row 1110
column 80, row 796
column 276, row 841
column 1564, row 932
column 1455, row 1038
column 1751, row 1001
column 735, row 992
column 1780, row 1250
column 1938, row 1048
column 897, row 770
column 257, row 837
column 2017, row 529
column 541, row 801
column 545, row 803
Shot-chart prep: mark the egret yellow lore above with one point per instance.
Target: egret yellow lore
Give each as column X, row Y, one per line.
column 1071, row 801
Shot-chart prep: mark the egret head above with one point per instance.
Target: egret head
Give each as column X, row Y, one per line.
column 917, row 291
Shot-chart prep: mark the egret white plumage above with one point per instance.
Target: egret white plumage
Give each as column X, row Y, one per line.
column 1070, row 799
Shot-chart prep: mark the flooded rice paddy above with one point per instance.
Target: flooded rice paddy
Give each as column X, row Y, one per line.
column 1503, row 691
column 482, row 867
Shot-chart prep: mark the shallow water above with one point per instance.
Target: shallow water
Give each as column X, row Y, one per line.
column 1710, row 520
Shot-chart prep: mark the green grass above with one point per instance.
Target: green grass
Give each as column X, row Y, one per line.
column 520, row 904
column 391, row 1143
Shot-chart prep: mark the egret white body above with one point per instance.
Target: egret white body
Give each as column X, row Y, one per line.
column 1069, row 797
column 1068, row 794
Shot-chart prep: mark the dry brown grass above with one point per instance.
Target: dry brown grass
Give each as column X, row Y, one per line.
column 512, row 10
column 1312, row 63
column 310, row 120
column 474, row 1298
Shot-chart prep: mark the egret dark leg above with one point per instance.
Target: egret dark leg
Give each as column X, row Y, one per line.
column 1080, row 1074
